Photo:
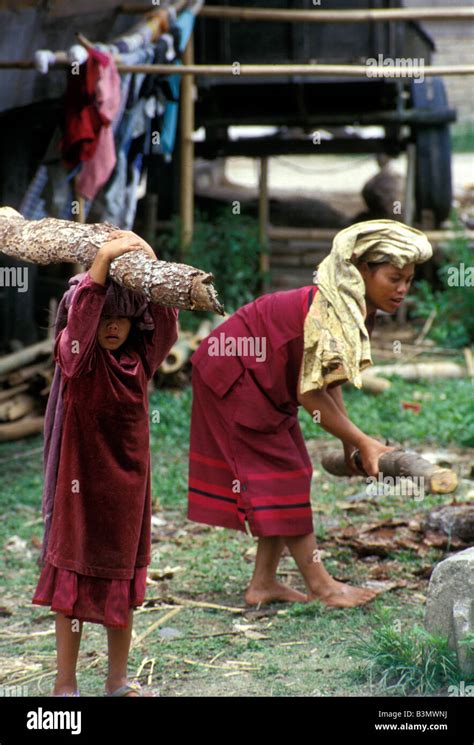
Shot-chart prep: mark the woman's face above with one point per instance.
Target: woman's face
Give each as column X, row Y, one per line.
column 113, row 331
column 386, row 285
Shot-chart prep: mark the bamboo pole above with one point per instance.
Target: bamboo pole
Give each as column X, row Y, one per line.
column 327, row 234
column 187, row 152
column 408, row 212
column 263, row 219
column 324, row 16
column 356, row 71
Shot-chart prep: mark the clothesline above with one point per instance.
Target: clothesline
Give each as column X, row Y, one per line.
column 113, row 125
column 247, row 70
column 318, row 15
column 124, row 49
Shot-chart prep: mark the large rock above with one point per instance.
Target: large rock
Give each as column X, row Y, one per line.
column 450, row 604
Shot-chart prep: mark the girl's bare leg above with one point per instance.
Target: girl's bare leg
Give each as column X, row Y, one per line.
column 119, row 646
column 68, row 639
column 264, row 586
column 318, row 581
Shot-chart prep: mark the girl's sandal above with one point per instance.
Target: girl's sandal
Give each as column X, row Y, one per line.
column 65, row 695
column 133, row 687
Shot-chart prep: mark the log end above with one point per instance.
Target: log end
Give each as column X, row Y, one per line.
column 204, row 294
column 443, row 481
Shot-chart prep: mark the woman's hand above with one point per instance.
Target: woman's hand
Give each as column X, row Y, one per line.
column 350, row 463
column 122, row 241
column 370, row 451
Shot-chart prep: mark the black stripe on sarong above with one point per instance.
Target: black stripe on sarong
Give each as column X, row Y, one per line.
column 214, row 496
column 282, row 506
column 310, row 297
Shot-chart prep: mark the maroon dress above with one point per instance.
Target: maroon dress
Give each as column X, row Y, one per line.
column 248, row 460
column 99, row 544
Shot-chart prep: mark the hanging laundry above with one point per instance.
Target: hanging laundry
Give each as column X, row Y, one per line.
column 96, row 170
column 83, row 120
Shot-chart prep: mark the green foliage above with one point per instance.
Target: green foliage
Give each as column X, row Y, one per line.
column 406, row 662
column 454, row 305
column 462, row 137
column 446, row 416
column 229, row 248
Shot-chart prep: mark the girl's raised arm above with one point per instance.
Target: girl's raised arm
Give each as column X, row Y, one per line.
column 75, row 345
column 155, row 345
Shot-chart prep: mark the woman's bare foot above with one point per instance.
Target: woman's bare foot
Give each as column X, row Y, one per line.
column 271, row 593
column 339, row 595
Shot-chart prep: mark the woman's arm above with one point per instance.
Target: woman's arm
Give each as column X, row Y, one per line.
column 331, row 417
column 335, row 421
column 336, row 393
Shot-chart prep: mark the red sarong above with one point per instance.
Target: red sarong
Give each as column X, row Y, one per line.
column 247, row 459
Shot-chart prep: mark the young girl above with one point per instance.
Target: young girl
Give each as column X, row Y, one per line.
column 97, row 498
column 248, row 463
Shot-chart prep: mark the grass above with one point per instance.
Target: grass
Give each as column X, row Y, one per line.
column 406, row 662
column 298, row 650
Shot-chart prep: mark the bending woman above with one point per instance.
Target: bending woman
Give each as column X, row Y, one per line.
column 248, row 463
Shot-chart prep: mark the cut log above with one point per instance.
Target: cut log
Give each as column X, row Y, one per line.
column 417, row 371
column 177, row 357
column 17, row 407
column 374, row 385
column 22, row 428
column 24, row 356
column 8, row 393
column 44, row 369
column 204, row 330
column 52, row 241
column 400, row 463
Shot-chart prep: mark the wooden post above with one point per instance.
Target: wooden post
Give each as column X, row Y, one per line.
column 187, row 152
column 263, row 219
column 408, row 212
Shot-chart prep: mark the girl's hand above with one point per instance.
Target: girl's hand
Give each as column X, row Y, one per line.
column 122, row 241
column 370, row 452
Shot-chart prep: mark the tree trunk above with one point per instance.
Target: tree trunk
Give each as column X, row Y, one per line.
column 399, row 463
column 51, row 241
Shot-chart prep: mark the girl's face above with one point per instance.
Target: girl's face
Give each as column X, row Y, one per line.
column 386, row 285
column 113, row 331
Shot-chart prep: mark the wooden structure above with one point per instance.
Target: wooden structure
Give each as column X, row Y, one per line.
column 274, row 78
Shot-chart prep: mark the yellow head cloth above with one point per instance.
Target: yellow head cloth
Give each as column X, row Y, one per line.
column 336, row 340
